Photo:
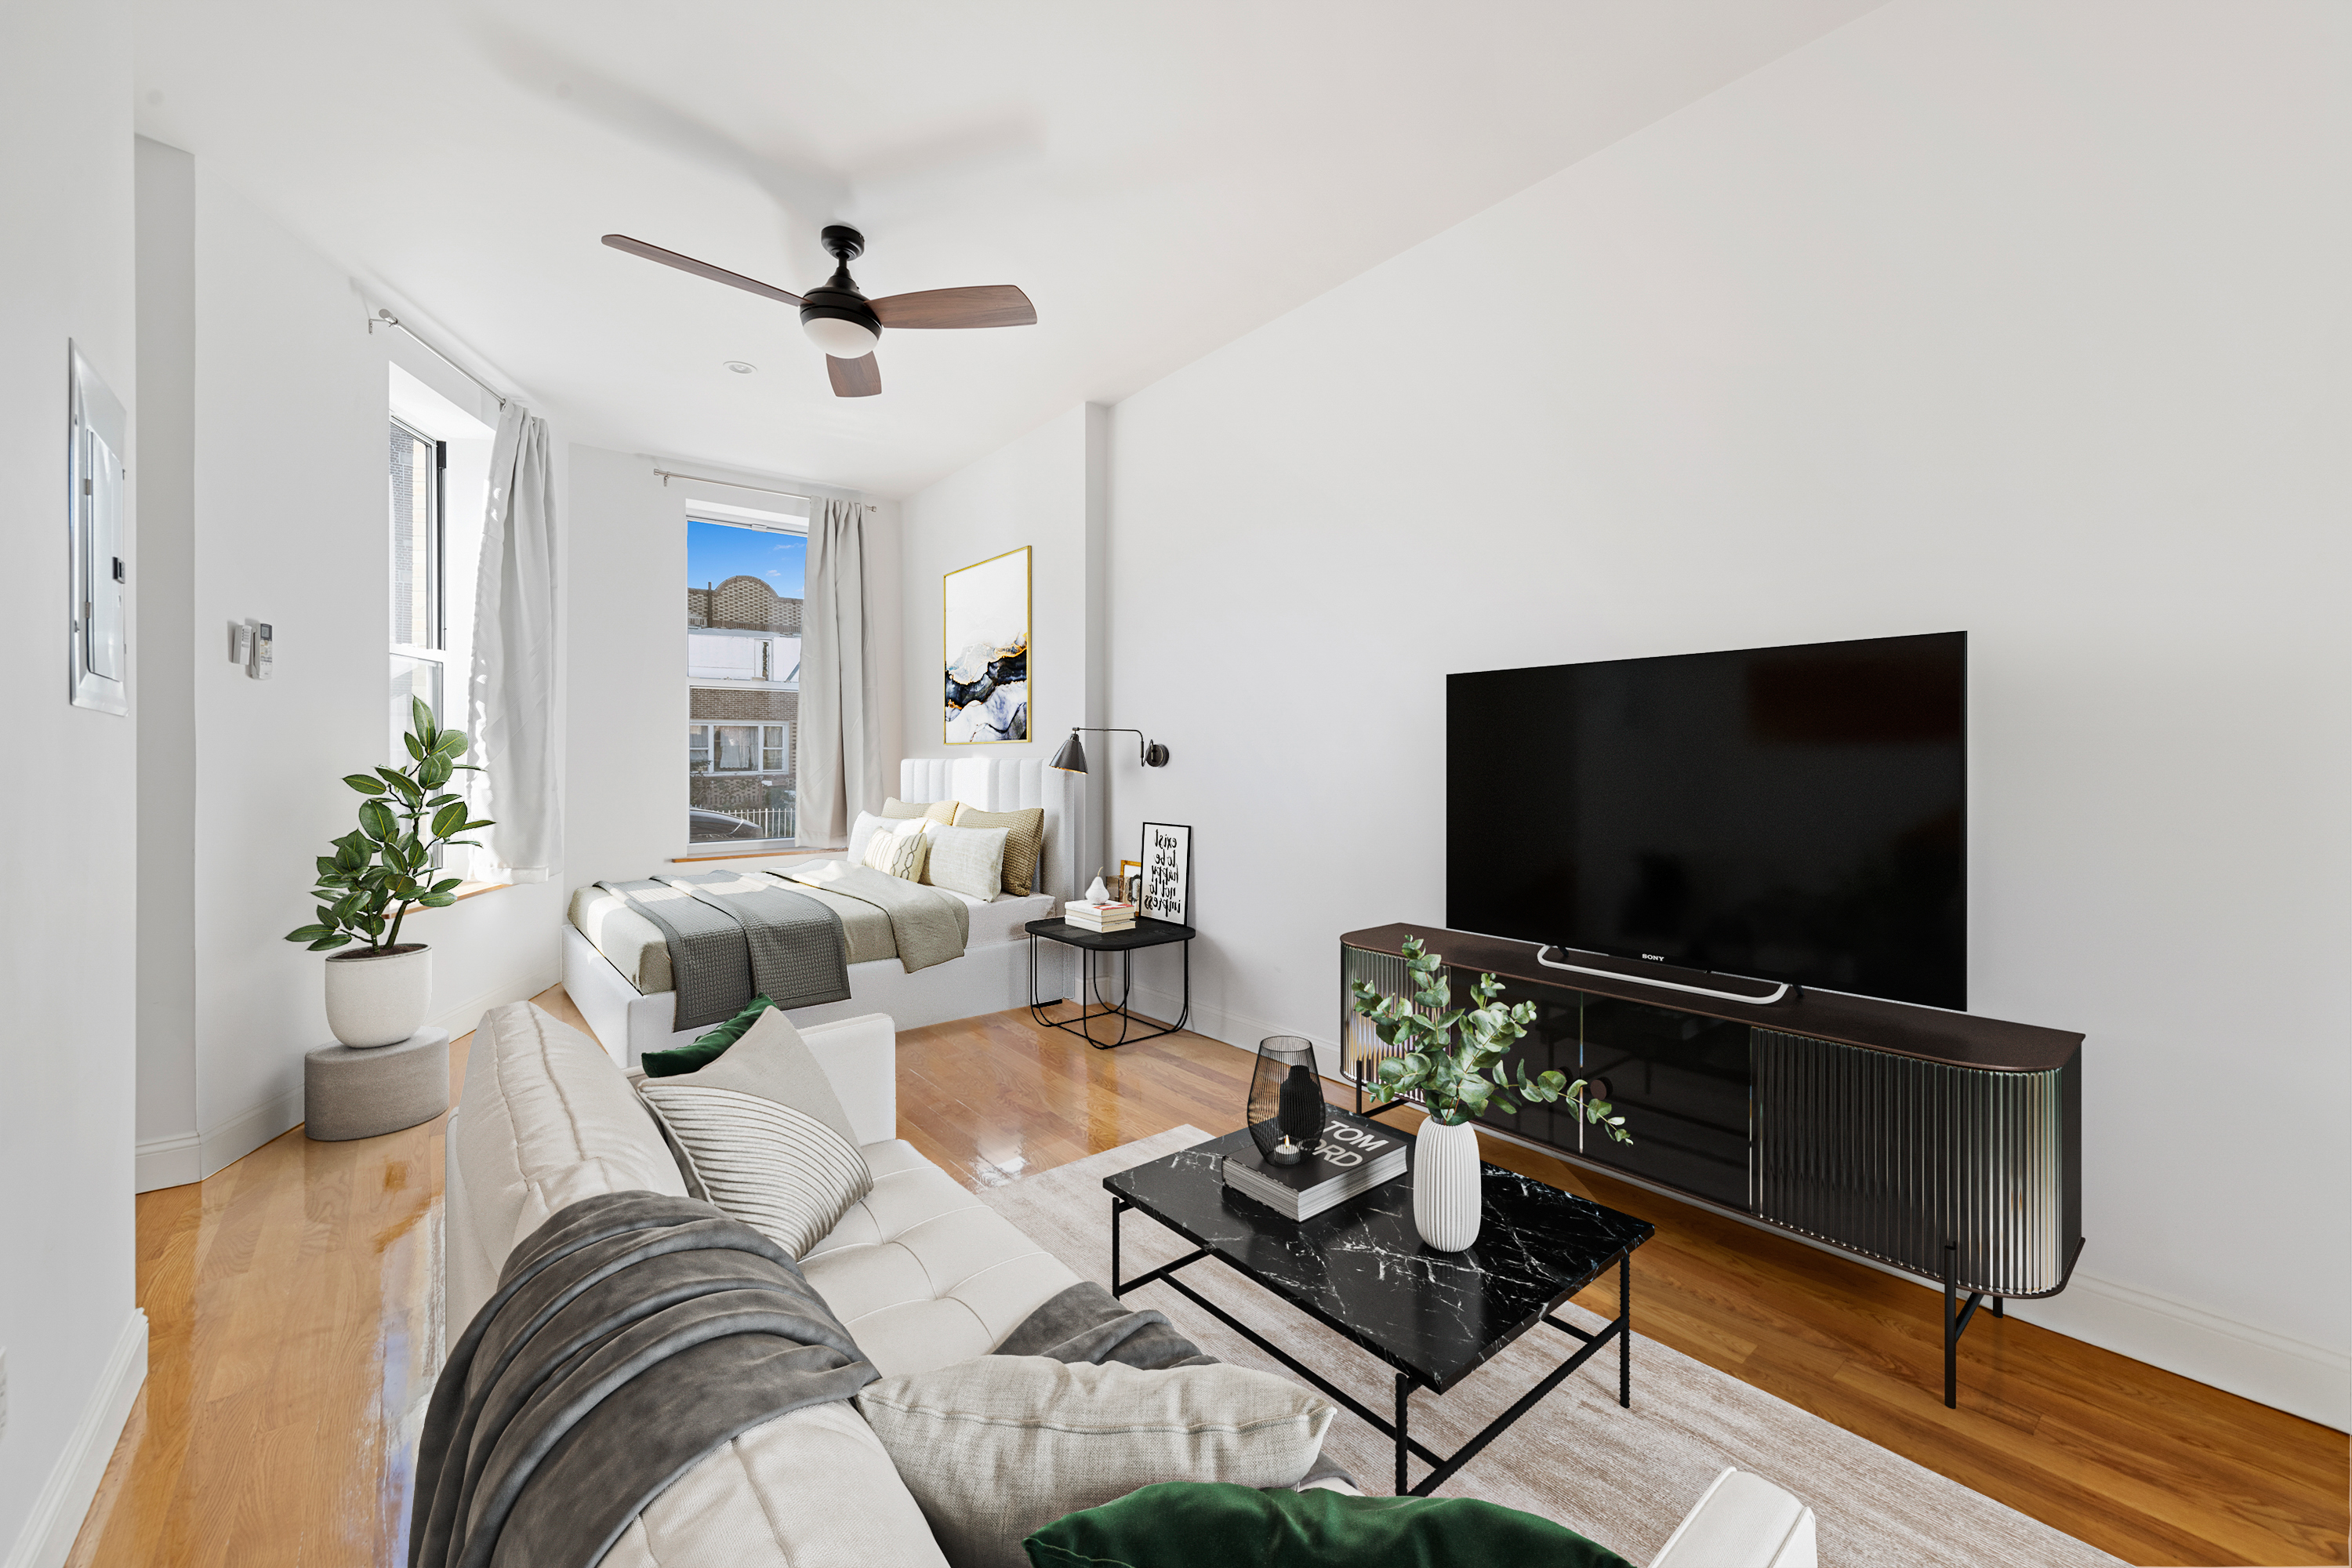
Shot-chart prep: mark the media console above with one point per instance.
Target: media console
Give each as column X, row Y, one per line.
column 1943, row 1145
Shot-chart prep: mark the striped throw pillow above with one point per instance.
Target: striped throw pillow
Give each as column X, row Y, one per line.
column 901, row 851
column 1024, row 841
column 759, row 1134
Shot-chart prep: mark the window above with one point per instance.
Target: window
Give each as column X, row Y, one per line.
column 420, row 639
column 744, row 575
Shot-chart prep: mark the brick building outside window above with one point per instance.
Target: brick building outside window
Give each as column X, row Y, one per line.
column 743, row 643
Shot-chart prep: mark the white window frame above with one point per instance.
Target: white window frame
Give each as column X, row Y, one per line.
column 693, row 510
column 707, row 732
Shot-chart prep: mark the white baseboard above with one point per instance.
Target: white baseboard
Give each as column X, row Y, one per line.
column 63, row 1500
column 2290, row 1374
column 2301, row 1379
column 224, row 1145
column 461, row 1018
column 172, row 1161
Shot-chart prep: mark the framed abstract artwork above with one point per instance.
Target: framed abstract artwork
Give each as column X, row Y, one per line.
column 984, row 648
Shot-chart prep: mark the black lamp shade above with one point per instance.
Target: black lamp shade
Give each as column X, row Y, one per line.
column 1286, row 1097
column 1072, row 757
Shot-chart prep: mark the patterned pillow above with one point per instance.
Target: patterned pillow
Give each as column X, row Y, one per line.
column 1024, row 841
column 942, row 812
column 901, row 851
column 760, row 1133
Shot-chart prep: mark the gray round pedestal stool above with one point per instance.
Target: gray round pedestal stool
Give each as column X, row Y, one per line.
column 348, row 1093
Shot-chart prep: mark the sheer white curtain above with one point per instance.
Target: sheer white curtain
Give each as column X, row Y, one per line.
column 840, row 763
column 511, row 693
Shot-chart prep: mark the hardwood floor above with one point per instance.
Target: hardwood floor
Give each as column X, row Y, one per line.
column 291, row 1300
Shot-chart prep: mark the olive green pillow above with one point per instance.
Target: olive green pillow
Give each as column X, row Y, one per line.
column 942, row 812
column 705, row 1049
column 1025, row 840
column 1195, row 1524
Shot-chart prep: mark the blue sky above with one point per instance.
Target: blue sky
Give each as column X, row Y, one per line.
column 714, row 552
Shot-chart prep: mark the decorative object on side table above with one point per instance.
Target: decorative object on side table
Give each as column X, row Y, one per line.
column 1131, row 882
column 1167, row 872
column 379, row 996
column 984, row 644
column 1450, row 1078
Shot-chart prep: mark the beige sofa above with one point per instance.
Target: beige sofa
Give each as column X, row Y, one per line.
column 921, row 1272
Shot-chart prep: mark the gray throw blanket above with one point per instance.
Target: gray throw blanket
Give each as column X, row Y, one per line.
column 716, row 940
column 631, row 1334
column 926, row 925
column 799, row 954
column 1086, row 1323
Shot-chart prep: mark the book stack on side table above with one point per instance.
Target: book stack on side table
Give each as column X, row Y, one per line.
column 1353, row 1155
column 1098, row 917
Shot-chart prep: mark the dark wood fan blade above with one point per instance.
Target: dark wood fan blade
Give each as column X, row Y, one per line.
column 699, row 269
column 983, row 305
column 854, row 377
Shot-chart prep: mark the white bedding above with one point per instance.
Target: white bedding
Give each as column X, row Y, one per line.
column 633, row 944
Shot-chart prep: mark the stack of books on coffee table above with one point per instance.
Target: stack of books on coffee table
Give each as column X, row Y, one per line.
column 1098, row 917
column 1353, row 1154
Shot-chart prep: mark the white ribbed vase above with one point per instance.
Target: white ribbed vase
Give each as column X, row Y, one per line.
column 1446, row 1184
column 378, row 999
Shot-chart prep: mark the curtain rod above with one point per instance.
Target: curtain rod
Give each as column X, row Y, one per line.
column 389, row 320
column 668, row 475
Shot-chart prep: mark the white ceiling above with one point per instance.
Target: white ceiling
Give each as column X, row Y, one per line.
column 1160, row 177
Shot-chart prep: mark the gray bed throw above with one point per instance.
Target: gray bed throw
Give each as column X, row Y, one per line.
column 730, row 942
column 631, row 1335
column 927, row 925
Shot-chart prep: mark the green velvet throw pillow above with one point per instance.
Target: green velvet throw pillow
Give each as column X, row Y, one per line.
column 1213, row 1524
column 706, row 1049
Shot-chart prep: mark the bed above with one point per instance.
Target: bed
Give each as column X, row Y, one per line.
column 617, row 967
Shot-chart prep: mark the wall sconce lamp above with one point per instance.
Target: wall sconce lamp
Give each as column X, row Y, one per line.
column 1072, row 757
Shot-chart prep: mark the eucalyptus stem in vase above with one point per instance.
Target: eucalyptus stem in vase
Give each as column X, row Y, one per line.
column 1451, row 1058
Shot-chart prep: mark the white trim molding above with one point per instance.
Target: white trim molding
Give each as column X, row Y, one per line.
column 58, row 1509
column 173, row 1162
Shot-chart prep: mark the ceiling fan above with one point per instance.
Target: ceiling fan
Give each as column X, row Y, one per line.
column 844, row 322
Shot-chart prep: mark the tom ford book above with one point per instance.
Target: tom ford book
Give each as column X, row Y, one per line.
column 1353, row 1154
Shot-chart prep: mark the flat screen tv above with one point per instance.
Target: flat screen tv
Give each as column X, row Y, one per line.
column 1787, row 813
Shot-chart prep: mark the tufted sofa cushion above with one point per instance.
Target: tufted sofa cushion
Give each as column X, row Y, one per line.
column 923, row 1273
column 546, row 1119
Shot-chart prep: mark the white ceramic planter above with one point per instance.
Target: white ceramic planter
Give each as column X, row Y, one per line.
column 378, row 999
column 1446, row 1184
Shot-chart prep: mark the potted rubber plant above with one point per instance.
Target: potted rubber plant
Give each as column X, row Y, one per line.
column 380, row 995
column 1450, row 1057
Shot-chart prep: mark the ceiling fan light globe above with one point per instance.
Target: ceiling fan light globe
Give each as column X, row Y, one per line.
column 841, row 338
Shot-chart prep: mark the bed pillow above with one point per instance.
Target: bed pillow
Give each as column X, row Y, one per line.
column 899, row 848
column 704, row 1049
column 967, row 860
column 760, row 1133
column 942, row 812
column 861, row 834
column 999, row 1446
column 1181, row 1523
column 1024, row 842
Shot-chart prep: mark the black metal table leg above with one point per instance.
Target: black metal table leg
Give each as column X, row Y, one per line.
column 1625, row 1333
column 1403, row 1393
column 1118, row 1207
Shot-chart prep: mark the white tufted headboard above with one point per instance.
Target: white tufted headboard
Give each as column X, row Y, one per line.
column 1006, row 784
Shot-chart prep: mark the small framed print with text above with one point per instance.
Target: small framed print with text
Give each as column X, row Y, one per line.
column 1167, row 873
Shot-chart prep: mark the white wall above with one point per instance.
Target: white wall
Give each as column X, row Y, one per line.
column 279, row 514
column 1044, row 490
column 2023, row 319
column 76, row 1344
column 624, row 587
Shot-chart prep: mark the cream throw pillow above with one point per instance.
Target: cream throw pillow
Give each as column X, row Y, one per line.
column 901, row 849
column 999, row 1446
column 942, row 812
column 760, row 1133
column 1024, row 842
column 861, row 834
column 967, row 860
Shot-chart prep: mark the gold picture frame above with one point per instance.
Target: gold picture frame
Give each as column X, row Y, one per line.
column 1131, row 882
column 988, row 690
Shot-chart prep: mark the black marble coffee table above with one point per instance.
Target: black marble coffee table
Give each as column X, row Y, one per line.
column 1360, row 1268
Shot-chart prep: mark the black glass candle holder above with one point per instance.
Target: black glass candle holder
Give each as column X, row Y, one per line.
column 1285, row 1099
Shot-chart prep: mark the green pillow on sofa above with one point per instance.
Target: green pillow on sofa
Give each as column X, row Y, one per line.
column 1197, row 1524
column 706, row 1049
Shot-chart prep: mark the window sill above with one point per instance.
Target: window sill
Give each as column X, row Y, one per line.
column 474, row 889
column 788, row 852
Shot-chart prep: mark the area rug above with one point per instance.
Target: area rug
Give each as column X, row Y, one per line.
column 1623, row 1478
